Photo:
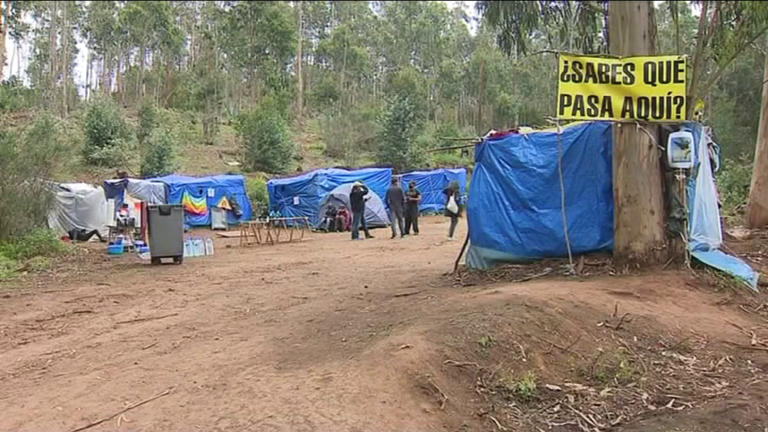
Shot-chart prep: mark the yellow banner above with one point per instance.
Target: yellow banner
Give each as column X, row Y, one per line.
column 650, row 89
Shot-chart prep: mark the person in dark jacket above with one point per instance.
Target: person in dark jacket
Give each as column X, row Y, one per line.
column 81, row 235
column 452, row 191
column 412, row 200
column 396, row 204
column 357, row 203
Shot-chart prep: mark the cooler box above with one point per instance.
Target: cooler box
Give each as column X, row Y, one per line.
column 165, row 223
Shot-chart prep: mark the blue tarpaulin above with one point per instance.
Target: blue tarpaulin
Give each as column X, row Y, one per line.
column 210, row 189
column 431, row 185
column 705, row 232
column 514, row 210
column 301, row 196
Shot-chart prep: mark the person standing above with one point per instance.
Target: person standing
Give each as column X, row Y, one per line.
column 452, row 207
column 357, row 203
column 396, row 204
column 412, row 200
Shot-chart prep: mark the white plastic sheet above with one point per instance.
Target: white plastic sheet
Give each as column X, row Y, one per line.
column 705, row 215
column 80, row 206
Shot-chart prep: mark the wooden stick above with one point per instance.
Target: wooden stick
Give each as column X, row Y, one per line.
column 123, row 411
column 146, row 319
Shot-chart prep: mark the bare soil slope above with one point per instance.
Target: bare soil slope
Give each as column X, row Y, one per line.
column 331, row 334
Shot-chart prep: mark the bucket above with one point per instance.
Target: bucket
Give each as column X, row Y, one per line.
column 115, row 249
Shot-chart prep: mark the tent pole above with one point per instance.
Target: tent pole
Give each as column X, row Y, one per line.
column 562, row 193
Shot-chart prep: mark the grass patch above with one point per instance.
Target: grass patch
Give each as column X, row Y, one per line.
column 607, row 368
column 523, row 389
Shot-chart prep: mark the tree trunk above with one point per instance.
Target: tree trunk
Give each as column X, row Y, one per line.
column 52, row 49
column 64, row 62
column 299, row 61
column 168, row 80
column 4, row 12
column 639, row 214
column 142, row 59
column 757, row 211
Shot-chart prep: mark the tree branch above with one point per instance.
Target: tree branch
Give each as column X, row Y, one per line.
column 721, row 70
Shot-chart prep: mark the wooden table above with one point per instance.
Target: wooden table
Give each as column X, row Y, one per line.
column 270, row 231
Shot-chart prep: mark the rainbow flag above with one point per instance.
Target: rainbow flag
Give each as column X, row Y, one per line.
column 198, row 206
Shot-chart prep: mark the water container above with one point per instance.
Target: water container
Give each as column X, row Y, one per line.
column 209, row 246
column 187, row 251
column 199, row 247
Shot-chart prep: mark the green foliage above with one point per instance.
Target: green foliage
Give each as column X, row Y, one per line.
column 399, row 129
column 14, row 96
column 733, row 181
column 38, row 242
column 148, row 121
column 266, row 140
column 522, row 389
column 7, row 268
column 106, row 133
column 258, row 194
column 28, row 159
column 158, row 157
column 348, row 136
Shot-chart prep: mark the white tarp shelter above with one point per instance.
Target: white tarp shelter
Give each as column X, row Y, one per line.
column 80, row 206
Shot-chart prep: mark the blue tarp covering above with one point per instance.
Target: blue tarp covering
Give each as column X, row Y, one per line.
column 514, row 210
column 213, row 188
column 302, row 195
column 705, row 233
column 515, row 213
column 431, row 185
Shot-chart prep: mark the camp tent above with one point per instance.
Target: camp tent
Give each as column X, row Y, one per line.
column 431, row 185
column 515, row 211
column 151, row 192
column 301, row 196
column 199, row 194
column 375, row 212
column 78, row 206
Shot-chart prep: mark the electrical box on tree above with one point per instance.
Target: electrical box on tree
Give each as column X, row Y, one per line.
column 680, row 150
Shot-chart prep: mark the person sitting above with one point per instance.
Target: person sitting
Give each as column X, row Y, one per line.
column 328, row 224
column 126, row 223
column 342, row 220
column 81, row 235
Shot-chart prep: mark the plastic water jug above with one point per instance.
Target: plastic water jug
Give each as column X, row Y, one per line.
column 199, row 247
column 209, row 246
column 187, row 249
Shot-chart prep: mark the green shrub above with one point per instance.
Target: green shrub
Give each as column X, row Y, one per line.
column 733, row 183
column 106, row 132
column 7, row 268
column 28, row 160
column 37, row 243
column 449, row 160
column 14, row 96
column 157, row 157
column 399, row 132
column 258, row 194
column 148, row 121
column 266, row 139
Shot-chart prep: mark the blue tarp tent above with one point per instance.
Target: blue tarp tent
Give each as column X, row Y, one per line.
column 301, row 196
column 514, row 210
column 431, row 185
column 209, row 190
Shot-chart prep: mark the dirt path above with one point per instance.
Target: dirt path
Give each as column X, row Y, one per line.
column 327, row 334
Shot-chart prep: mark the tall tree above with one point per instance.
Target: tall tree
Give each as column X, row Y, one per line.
column 757, row 213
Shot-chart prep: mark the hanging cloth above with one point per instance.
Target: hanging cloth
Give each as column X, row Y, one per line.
column 198, row 206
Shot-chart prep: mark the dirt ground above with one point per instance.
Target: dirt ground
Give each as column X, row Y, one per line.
column 330, row 334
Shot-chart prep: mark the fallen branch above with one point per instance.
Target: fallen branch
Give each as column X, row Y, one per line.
column 498, row 425
column 621, row 321
column 123, row 411
column 150, row 345
column 460, row 364
column 406, row 294
column 146, row 319
column 443, row 396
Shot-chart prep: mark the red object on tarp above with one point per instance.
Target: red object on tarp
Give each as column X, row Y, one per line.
column 502, row 134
